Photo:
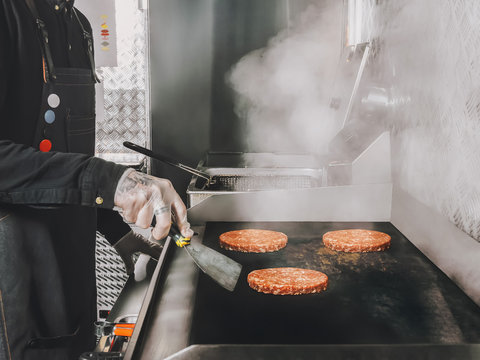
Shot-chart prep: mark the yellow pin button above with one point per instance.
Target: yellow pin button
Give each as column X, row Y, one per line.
column 99, row 200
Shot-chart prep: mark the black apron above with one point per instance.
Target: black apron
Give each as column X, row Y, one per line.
column 47, row 255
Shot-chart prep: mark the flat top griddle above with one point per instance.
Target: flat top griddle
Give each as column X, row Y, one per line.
column 392, row 297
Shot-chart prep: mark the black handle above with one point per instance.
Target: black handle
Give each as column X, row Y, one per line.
column 174, row 230
column 203, row 179
column 150, row 153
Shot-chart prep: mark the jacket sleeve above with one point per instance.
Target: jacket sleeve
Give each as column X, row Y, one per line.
column 29, row 176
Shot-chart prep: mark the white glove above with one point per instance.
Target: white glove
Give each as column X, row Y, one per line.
column 141, row 196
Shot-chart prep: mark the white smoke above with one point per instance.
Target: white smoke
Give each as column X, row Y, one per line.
column 283, row 90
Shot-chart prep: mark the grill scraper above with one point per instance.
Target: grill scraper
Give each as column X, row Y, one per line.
column 219, row 267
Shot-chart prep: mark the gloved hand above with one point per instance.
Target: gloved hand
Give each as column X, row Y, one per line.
column 131, row 243
column 141, row 196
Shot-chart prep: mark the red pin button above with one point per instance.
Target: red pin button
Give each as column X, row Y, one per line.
column 45, row 145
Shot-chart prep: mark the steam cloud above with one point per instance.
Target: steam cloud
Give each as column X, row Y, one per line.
column 283, row 90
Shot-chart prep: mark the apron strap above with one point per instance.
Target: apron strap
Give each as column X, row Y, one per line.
column 49, row 70
column 88, row 40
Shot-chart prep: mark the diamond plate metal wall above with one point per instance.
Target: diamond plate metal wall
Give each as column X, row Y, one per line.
column 126, row 117
column 429, row 52
column 111, row 275
column 126, row 114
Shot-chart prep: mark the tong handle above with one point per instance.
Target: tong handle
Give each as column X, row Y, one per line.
column 150, row 153
column 167, row 160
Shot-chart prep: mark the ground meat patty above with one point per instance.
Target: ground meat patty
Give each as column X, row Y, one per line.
column 253, row 240
column 287, row 281
column 356, row 240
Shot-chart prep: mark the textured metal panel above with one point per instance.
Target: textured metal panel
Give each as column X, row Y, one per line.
column 430, row 53
column 126, row 117
column 126, row 88
column 111, row 274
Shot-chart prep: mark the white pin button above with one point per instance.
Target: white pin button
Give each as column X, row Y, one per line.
column 53, row 100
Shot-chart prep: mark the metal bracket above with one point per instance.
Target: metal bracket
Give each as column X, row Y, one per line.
column 142, row 4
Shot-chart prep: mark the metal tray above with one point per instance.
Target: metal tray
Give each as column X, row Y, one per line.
column 245, row 172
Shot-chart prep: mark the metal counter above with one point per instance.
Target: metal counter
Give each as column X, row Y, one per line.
column 395, row 298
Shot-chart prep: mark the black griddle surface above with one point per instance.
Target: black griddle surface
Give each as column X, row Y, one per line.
column 393, row 297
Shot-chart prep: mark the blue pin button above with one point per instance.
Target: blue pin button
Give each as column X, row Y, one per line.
column 49, row 116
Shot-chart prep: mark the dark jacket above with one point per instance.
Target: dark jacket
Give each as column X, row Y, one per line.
column 47, row 265
column 28, row 176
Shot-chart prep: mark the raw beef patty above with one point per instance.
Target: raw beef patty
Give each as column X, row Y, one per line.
column 356, row 240
column 287, row 281
column 253, row 240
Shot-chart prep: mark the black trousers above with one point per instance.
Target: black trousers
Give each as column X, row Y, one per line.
column 47, row 282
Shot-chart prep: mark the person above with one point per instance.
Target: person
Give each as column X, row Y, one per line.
column 54, row 193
